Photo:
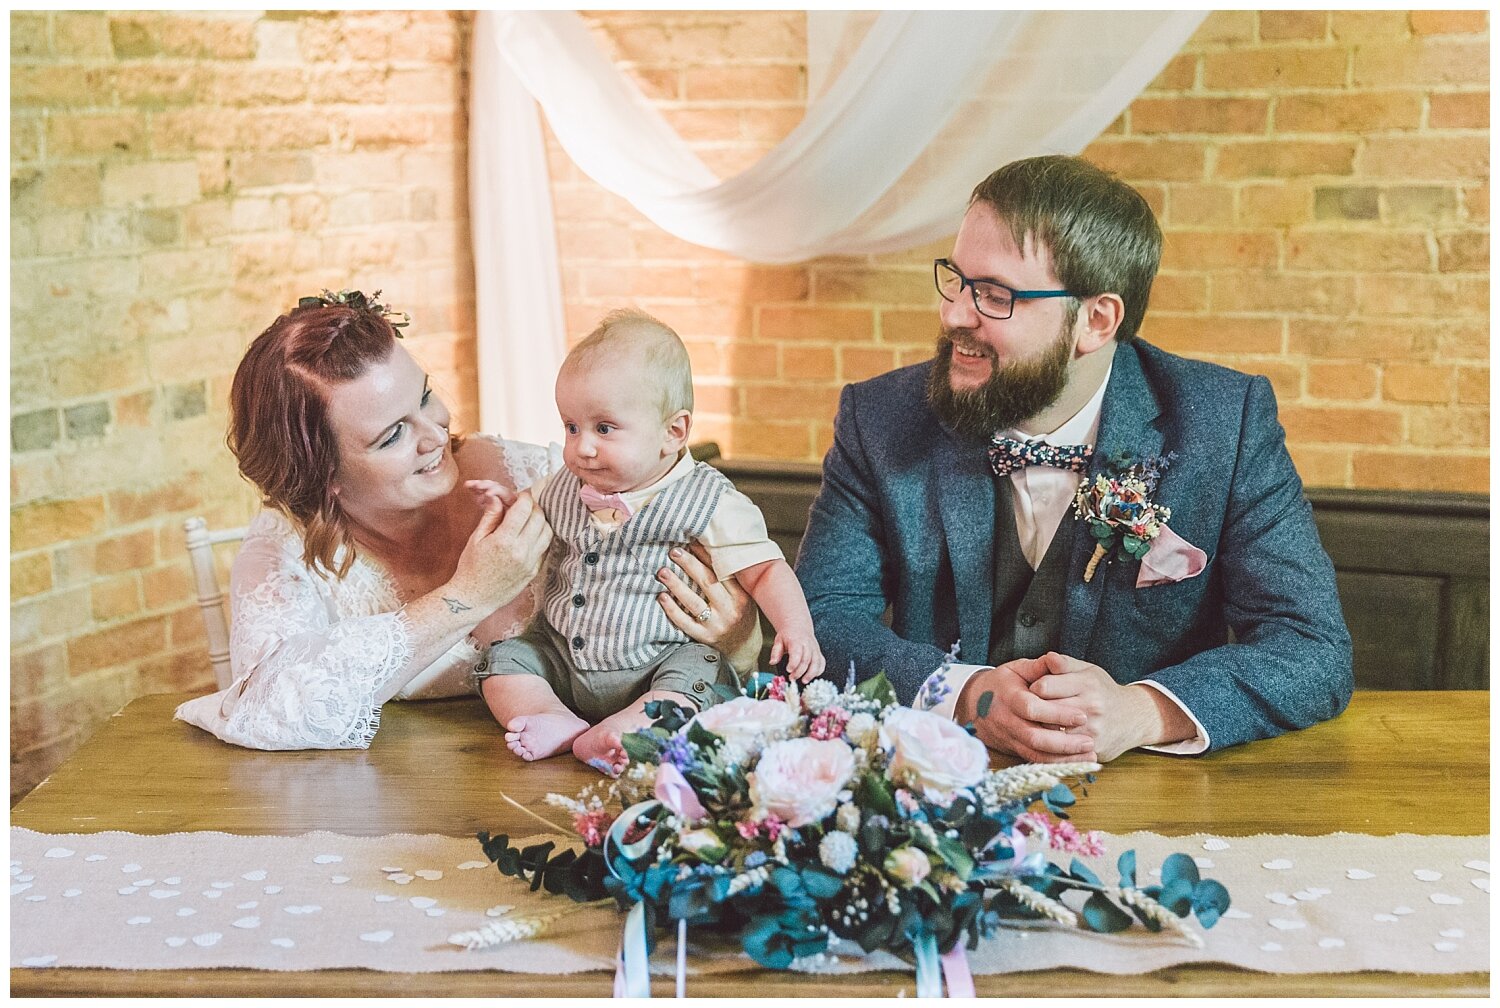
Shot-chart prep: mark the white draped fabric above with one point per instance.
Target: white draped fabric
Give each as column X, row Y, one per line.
column 907, row 111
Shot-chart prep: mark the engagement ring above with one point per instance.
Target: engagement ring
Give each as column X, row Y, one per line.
column 704, row 615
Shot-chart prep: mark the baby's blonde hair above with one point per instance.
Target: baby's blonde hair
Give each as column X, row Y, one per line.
column 629, row 333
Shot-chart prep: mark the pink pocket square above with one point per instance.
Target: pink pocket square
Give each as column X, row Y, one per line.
column 1170, row 559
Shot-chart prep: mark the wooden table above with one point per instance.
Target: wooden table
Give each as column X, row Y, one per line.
column 1394, row 762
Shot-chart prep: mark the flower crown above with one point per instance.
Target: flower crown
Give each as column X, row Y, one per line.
column 359, row 302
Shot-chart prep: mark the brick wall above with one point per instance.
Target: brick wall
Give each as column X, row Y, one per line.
column 1322, row 179
column 177, row 180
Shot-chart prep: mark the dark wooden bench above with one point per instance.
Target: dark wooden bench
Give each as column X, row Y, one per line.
column 1413, row 570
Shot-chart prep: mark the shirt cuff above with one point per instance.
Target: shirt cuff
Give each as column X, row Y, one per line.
column 1187, row 747
column 939, row 694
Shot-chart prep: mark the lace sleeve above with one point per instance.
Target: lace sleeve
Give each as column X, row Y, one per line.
column 527, row 463
column 310, row 669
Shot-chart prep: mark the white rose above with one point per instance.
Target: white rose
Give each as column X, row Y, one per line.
column 908, row 865
column 748, row 724
column 799, row 780
column 931, row 753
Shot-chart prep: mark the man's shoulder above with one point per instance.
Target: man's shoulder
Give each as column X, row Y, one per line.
column 1177, row 380
column 899, row 388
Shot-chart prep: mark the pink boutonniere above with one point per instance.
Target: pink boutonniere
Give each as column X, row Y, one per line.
column 1120, row 512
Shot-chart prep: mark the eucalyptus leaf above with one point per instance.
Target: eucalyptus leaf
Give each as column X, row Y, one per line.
column 641, row 747
column 1126, row 866
column 1081, row 871
column 1179, row 866
column 1103, row 916
column 1210, row 900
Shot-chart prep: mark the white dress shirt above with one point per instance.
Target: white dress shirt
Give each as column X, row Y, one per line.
column 1042, row 496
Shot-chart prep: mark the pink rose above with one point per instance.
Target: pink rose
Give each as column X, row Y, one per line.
column 930, row 753
column 673, row 791
column 799, row 780
column 748, row 723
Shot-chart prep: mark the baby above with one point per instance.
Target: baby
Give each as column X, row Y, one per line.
column 581, row 676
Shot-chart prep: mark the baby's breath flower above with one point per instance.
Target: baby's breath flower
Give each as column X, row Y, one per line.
column 838, row 851
column 861, row 729
column 819, row 694
column 847, row 818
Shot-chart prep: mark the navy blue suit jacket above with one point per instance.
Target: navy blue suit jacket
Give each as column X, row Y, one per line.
column 1255, row 645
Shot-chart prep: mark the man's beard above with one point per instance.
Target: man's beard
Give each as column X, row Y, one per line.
column 1013, row 393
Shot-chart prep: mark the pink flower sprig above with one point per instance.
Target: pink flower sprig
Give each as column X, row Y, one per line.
column 771, row 826
column 777, row 688
column 829, row 724
column 592, row 825
column 1118, row 507
column 1061, row 834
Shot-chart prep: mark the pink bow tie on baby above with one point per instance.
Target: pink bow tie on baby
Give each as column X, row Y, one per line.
column 596, row 501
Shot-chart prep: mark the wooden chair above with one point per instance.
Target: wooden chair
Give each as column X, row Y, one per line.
column 200, row 548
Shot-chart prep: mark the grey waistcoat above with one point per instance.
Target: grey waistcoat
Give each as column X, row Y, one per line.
column 602, row 594
column 1027, row 621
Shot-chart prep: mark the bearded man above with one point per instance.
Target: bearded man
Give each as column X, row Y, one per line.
column 1183, row 602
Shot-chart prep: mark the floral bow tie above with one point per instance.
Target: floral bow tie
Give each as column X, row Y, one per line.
column 596, row 501
column 1007, row 455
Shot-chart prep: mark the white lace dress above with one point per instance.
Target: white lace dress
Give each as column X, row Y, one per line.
column 314, row 658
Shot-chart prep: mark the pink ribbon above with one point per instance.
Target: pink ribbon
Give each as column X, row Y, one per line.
column 596, row 501
column 1170, row 559
column 673, row 791
column 956, row 972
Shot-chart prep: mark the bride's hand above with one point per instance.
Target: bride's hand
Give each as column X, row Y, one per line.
column 731, row 623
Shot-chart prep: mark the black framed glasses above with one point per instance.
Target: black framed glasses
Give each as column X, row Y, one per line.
column 991, row 299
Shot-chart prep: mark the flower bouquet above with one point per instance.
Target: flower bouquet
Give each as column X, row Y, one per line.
column 1118, row 508
column 794, row 821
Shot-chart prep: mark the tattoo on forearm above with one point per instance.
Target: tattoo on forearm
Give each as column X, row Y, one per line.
column 455, row 606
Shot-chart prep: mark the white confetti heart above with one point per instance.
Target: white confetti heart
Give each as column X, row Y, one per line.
column 58, row 852
column 339, row 879
column 139, row 920
column 176, row 942
column 130, row 869
column 1282, row 924
column 308, row 909
column 1452, row 933
column 1402, row 911
column 1214, row 843
column 47, row 960
column 15, row 869
column 436, row 912
column 1443, row 899
column 1358, row 874
column 1427, row 874
column 1387, row 918
column 35, row 899
column 399, row 879
column 222, row 885
column 271, row 890
column 1330, row 943
column 423, row 902
column 1281, row 899
column 389, row 869
column 247, row 905
column 97, row 857
column 186, row 912
column 21, row 887
column 247, row 922
column 471, row 865
column 1445, row 946
column 328, row 859
column 259, row 875
column 384, row 898
column 1482, row 884
column 283, row 942
column 430, row 874
column 1304, row 895
column 1270, row 947
column 1235, row 913
column 213, row 893
column 206, row 939
column 123, row 890
column 1280, row 864
column 1318, row 892
column 1483, row 866
column 164, row 893
column 174, row 880
column 25, row 878
column 377, row 936
column 1203, row 862
column 144, row 882
column 501, row 910
column 72, row 892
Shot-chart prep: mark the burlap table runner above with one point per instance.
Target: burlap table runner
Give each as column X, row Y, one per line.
column 1339, row 903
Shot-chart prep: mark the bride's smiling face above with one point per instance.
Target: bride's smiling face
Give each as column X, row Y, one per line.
column 392, row 435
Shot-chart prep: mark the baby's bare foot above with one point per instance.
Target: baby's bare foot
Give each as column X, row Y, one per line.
column 537, row 736
column 601, row 749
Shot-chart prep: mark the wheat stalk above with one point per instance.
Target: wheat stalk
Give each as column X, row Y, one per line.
column 516, row 928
